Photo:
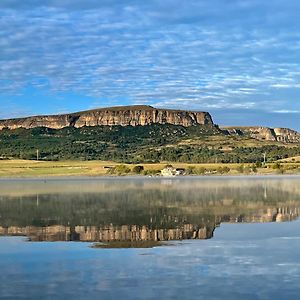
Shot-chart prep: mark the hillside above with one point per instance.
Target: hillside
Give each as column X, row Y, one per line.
column 140, row 144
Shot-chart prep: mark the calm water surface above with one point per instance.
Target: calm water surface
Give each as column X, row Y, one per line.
column 223, row 237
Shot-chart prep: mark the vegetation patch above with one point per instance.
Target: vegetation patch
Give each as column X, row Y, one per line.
column 141, row 144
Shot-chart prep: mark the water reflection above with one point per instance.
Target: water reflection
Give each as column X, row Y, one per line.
column 132, row 210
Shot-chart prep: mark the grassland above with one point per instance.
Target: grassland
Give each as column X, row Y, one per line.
column 29, row 168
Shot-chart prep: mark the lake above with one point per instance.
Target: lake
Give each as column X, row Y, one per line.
column 150, row 238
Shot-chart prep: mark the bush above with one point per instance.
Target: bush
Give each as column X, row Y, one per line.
column 190, row 170
column 258, row 164
column 247, row 170
column 168, row 166
column 254, row 168
column 151, row 172
column 240, row 168
column 137, row 169
column 226, row 169
column 276, row 166
column 119, row 170
column 223, row 170
column 200, row 171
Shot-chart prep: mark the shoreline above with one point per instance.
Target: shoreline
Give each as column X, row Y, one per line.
column 22, row 169
column 126, row 177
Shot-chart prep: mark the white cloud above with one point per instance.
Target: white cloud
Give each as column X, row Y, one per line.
column 286, row 111
column 286, row 86
column 155, row 52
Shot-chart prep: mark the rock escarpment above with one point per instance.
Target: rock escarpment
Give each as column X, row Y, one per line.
column 147, row 115
column 123, row 115
column 285, row 135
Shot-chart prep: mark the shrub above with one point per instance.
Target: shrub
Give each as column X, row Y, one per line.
column 190, row 170
column 138, row 169
column 168, row 166
column 258, row 164
column 240, row 168
column 226, row 169
column 119, row 170
column 200, row 171
column 247, row 170
column 122, row 169
column 276, row 166
column 254, row 168
column 151, row 172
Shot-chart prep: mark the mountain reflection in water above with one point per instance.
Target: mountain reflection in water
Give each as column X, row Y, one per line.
column 139, row 210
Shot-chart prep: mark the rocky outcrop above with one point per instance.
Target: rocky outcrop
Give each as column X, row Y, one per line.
column 285, row 135
column 123, row 115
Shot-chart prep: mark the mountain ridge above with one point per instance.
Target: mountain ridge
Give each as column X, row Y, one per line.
column 134, row 115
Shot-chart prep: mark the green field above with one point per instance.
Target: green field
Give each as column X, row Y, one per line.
column 29, row 168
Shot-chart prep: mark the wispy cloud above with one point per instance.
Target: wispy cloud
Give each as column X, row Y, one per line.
column 206, row 54
column 287, row 111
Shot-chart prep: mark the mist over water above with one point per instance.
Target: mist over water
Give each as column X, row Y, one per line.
column 221, row 237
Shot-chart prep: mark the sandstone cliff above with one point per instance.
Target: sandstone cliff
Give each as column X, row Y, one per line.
column 285, row 135
column 123, row 115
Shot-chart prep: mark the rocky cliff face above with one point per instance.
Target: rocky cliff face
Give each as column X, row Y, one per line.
column 285, row 135
column 123, row 115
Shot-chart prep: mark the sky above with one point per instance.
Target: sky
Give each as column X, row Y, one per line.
column 237, row 59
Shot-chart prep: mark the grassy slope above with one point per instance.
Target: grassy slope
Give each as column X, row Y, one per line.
column 294, row 159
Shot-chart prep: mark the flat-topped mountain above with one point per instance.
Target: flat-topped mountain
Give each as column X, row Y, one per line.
column 120, row 115
column 147, row 115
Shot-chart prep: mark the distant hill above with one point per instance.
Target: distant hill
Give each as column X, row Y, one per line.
column 285, row 135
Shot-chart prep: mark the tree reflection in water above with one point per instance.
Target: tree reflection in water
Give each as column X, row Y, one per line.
column 141, row 210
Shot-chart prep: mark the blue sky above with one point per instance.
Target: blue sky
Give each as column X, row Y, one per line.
column 238, row 59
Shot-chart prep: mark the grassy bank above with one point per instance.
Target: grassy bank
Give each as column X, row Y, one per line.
column 28, row 168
